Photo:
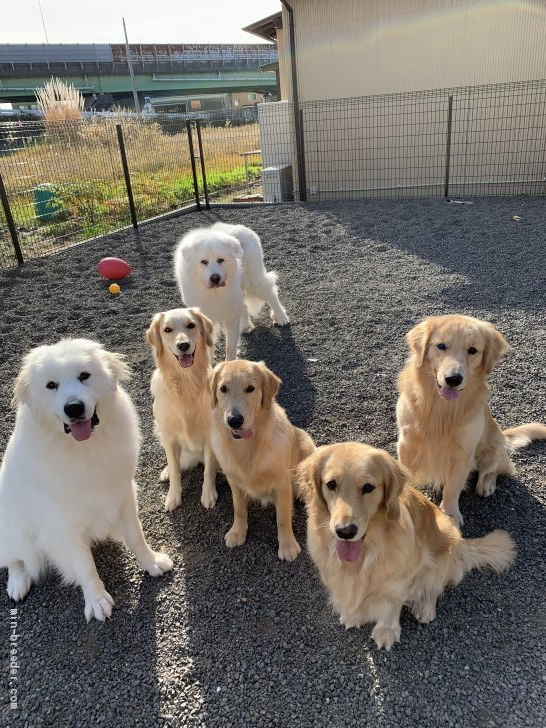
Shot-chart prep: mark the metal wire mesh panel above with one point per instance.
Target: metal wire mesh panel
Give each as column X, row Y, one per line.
column 64, row 182
column 377, row 146
column 498, row 141
column 159, row 163
column 493, row 142
column 232, row 156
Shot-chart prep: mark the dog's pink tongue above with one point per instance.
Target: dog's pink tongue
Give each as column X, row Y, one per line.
column 448, row 393
column 245, row 434
column 81, row 431
column 349, row 550
column 185, row 360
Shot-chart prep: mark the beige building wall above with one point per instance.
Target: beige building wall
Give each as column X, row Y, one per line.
column 284, row 65
column 351, row 48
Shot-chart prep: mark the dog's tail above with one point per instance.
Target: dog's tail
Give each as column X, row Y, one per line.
column 524, row 434
column 496, row 551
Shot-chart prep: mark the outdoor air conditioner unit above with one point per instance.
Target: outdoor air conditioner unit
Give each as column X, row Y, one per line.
column 277, row 184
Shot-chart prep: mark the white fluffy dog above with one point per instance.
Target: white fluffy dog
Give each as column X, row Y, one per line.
column 66, row 481
column 221, row 270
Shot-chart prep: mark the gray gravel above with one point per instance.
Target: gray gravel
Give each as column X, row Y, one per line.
column 237, row 638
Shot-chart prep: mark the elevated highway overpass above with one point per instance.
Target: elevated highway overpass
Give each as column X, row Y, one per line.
column 162, row 70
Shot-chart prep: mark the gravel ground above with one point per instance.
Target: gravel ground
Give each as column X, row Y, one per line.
column 237, row 638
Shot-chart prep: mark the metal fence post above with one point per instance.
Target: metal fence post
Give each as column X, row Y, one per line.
column 127, row 176
column 10, row 222
column 448, row 144
column 193, row 168
column 202, row 158
column 302, row 172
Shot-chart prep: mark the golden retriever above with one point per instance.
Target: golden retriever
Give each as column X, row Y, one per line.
column 256, row 447
column 181, row 340
column 380, row 544
column 445, row 427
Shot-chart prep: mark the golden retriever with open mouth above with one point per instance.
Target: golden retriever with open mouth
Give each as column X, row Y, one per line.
column 256, row 447
column 380, row 544
column 181, row 340
column 446, row 429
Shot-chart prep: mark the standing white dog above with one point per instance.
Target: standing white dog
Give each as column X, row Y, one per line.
column 66, row 481
column 221, row 270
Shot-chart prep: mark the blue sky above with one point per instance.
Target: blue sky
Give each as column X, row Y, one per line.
column 99, row 21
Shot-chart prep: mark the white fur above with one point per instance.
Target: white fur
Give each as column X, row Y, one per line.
column 59, row 496
column 246, row 282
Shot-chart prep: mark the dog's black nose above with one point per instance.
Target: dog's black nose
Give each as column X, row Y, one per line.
column 215, row 278
column 454, row 380
column 235, row 420
column 347, row 532
column 183, row 345
column 74, row 409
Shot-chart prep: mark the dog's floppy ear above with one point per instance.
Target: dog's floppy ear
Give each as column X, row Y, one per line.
column 395, row 478
column 418, row 339
column 307, row 477
column 205, row 324
column 234, row 247
column 186, row 248
column 153, row 335
column 21, row 388
column 495, row 346
column 270, row 385
column 213, row 384
column 117, row 365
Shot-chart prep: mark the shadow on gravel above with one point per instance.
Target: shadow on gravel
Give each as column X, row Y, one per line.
column 276, row 346
column 501, row 259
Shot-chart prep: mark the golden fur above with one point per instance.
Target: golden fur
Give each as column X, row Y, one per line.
column 182, row 397
column 447, row 430
column 258, row 463
column 410, row 550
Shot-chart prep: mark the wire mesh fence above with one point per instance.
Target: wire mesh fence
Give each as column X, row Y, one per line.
column 473, row 141
column 64, row 181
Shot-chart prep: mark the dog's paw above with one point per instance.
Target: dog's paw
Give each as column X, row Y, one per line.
column 386, row 636
column 234, row 537
column 281, row 320
column 487, row 486
column 247, row 328
column 349, row 622
column 19, row 583
column 289, row 550
column 424, row 612
column 164, row 474
column 173, row 500
column 454, row 513
column 160, row 565
column 99, row 606
column 209, row 497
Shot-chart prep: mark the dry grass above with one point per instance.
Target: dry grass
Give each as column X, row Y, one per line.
column 59, row 102
column 82, row 160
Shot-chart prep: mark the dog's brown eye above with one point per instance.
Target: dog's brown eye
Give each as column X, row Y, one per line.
column 167, row 329
column 367, row 488
column 442, row 347
column 205, row 262
column 83, row 376
column 249, row 389
column 51, row 385
column 220, row 260
column 472, row 350
column 331, row 485
column 191, row 326
column 223, row 388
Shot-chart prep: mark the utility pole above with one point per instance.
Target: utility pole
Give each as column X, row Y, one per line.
column 43, row 22
column 131, row 73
